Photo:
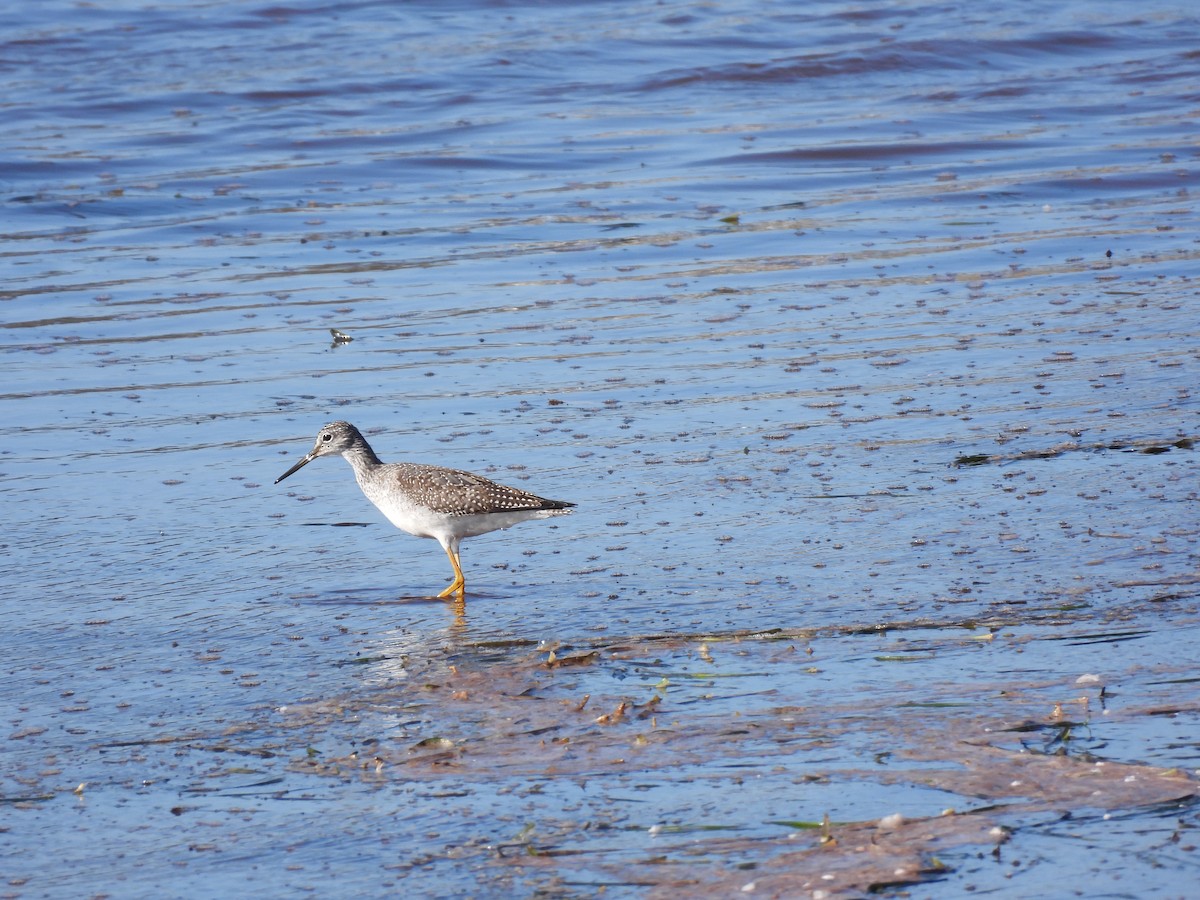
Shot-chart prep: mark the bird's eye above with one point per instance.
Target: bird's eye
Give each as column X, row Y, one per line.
column 327, row 437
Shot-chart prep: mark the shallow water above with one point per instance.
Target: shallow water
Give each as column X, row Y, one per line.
column 861, row 337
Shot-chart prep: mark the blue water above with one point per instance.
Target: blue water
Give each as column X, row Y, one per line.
column 741, row 279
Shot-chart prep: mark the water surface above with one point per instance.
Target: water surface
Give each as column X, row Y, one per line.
column 860, row 336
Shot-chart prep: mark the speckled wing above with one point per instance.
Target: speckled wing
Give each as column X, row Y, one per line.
column 456, row 493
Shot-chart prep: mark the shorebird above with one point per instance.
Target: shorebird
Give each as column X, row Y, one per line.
column 447, row 505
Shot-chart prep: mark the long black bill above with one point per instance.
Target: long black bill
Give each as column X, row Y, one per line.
column 296, row 468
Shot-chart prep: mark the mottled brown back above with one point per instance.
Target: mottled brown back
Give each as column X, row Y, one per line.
column 455, row 493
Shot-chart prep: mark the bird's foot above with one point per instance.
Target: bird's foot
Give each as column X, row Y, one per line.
column 457, row 589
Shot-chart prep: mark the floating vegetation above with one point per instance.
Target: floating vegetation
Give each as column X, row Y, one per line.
column 1148, row 446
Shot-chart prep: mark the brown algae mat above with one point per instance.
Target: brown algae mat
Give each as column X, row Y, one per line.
column 728, row 709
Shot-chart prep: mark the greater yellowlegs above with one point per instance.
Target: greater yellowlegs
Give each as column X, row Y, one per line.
column 431, row 501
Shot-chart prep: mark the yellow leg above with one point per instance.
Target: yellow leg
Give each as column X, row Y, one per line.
column 458, row 586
